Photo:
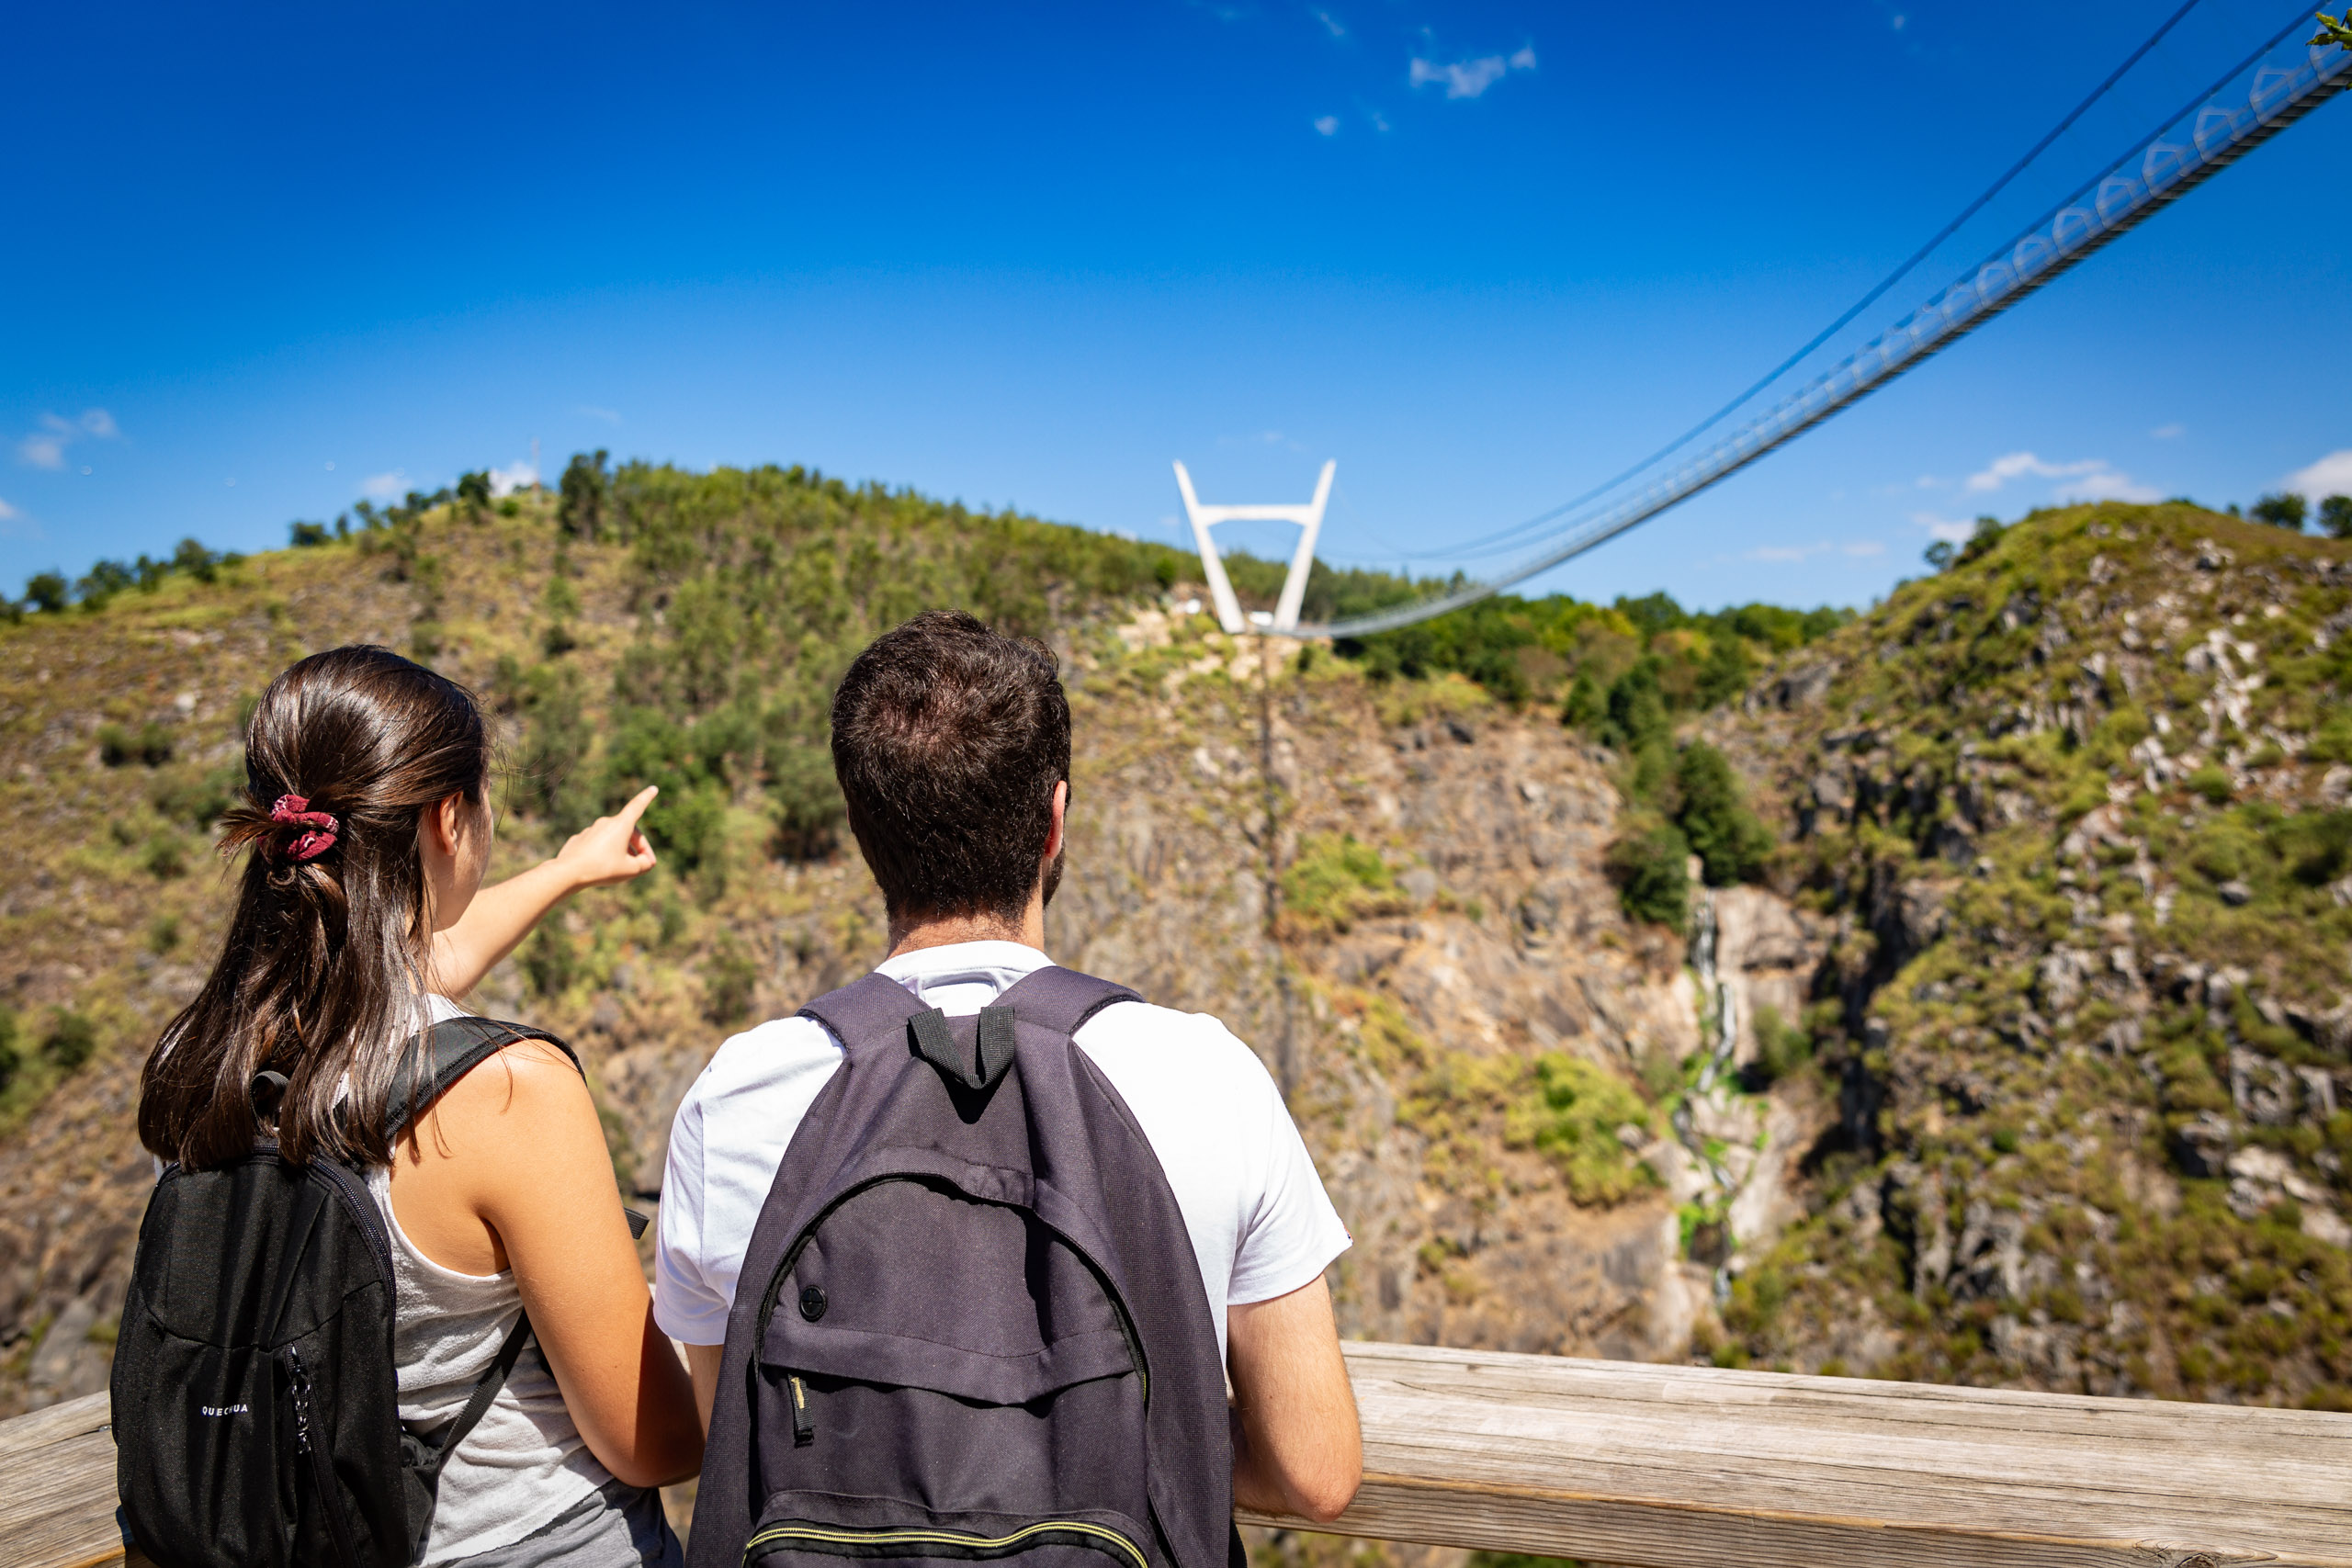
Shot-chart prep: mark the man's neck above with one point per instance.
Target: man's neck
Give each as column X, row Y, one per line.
column 947, row 929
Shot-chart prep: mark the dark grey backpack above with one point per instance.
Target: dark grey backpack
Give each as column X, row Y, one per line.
column 969, row 1324
column 256, row 1419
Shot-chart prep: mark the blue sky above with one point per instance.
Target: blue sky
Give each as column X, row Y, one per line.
column 265, row 258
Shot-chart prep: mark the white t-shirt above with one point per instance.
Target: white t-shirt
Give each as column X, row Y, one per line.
column 1261, row 1224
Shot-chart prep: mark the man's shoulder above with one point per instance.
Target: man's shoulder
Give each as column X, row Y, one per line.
column 1194, row 1043
column 766, row 1054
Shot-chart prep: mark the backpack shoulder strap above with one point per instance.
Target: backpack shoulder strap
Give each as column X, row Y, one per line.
column 874, row 1010
column 445, row 1053
column 1062, row 1000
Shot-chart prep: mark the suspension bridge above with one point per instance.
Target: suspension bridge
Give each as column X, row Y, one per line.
column 2282, row 80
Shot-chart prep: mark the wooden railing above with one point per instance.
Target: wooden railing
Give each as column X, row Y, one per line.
column 1670, row 1467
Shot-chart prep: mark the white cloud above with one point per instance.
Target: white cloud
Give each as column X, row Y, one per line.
column 607, row 415
column 1379, row 120
column 1327, row 125
column 2332, row 475
column 45, row 447
column 2019, row 465
column 2088, row 479
column 7, row 512
column 1330, row 23
column 1951, row 530
column 2168, row 433
column 1864, row 547
column 383, row 487
column 1468, row 78
column 515, row 476
column 2106, row 484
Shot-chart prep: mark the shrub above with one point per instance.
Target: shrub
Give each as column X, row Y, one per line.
column 805, row 797
column 1636, row 708
column 2212, row 783
column 45, row 592
column 2283, row 511
column 1336, row 881
column 1781, row 1050
column 118, row 744
column 1572, row 1117
column 1585, row 707
column 1729, row 840
column 729, row 979
column 10, row 1059
column 166, row 855
column 2335, row 516
column 2333, row 742
column 549, row 961
column 581, row 494
column 196, row 799
column 1650, row 868
column 306, row 535
column 72, row 1040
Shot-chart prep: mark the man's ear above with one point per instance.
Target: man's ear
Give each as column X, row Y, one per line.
column 1061, row 810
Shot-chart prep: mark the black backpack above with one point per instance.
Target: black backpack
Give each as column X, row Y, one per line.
column 969, row 1323
column 257, row 1415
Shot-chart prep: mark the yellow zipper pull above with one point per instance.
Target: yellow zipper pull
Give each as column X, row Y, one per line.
column 804, row 1429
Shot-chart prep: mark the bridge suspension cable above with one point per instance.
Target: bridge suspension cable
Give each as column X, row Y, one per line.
column 2255, row 99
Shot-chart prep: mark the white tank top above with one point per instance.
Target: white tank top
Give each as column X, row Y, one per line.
column 525, row 1461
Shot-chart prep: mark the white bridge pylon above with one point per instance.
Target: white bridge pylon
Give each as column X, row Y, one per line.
column 1309, row 519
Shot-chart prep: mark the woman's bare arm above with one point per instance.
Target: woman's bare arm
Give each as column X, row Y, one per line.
column 609, row 850
column 512, row 1162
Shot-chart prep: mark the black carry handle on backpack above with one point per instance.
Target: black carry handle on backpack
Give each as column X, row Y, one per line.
column 256, row 1401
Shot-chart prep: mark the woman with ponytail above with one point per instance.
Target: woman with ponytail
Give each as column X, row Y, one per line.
column 366, row 829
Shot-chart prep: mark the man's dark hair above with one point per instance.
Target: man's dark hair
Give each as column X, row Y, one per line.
column 948, row 739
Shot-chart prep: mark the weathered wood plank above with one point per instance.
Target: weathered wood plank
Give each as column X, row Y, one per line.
column 57, row 1488
column 1669, row 1467
column 1693, row 1467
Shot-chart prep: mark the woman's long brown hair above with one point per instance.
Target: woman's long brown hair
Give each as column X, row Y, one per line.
column 322, row 975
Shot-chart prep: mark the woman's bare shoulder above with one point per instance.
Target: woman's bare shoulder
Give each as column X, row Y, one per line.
column 529, row 1081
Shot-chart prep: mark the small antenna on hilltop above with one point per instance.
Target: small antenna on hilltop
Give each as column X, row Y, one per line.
column 1309, row 519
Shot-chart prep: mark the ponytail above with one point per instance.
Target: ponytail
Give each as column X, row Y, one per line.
column 322, row 974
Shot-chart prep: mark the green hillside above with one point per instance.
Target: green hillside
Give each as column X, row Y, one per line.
column 2076, row 806
column 2058, row 835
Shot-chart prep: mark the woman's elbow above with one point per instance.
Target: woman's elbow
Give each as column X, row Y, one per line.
column 656, row 1469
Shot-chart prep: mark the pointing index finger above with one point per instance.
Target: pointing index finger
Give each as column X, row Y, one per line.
column 636, row 808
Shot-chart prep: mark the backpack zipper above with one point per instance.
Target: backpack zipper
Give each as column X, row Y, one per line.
column 835, row 1541
column 322, row 1470
column 804, row 1425
column 1102, row 1278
